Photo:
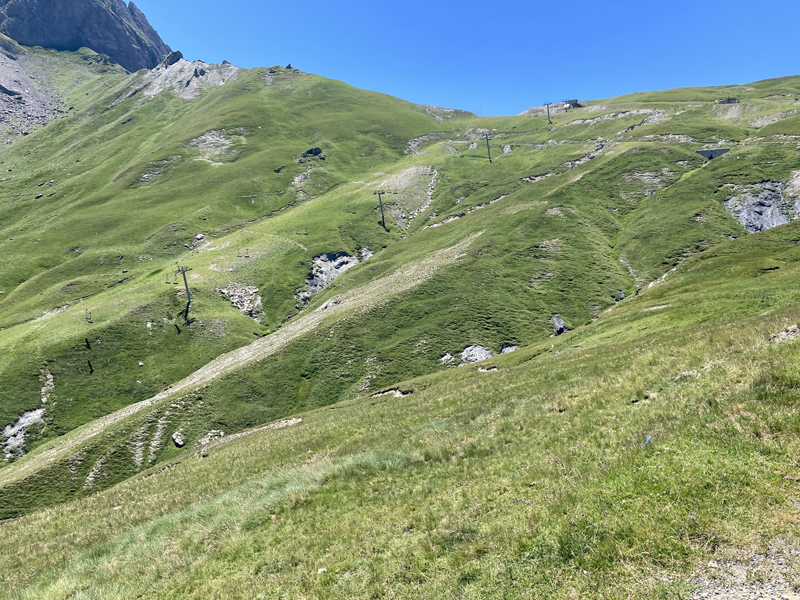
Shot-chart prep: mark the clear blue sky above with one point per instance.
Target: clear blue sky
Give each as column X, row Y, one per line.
column 495, row 57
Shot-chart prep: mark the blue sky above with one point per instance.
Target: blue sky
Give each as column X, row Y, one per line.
column 495, row 57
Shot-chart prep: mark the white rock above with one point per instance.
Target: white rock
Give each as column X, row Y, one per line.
column 473, row 354
column 177, row 438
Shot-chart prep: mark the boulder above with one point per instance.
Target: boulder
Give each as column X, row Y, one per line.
column 559, row 326
column 177, row 439
column 312, row 152
column 473, row 354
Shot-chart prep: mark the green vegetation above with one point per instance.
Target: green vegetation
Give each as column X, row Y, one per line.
column 530, row 479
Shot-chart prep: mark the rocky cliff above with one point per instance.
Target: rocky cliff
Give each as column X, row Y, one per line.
column 106, row 26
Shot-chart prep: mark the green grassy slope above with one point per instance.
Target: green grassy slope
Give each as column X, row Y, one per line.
column 572, row 217
column 527, row 475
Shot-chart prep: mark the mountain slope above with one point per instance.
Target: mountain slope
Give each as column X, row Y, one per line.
column 623, row 456
column 108, row 27
column 262, row 180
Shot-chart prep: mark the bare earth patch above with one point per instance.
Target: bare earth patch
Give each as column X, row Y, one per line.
column 212, row 145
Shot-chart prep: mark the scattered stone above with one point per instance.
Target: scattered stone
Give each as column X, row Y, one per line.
column 509, row 349
column 446, row 359
column 97, row 471
column 671, row 138
column 48, row 385
column 330, row 304
column 415, row 145
column 771, row 119
column 301, row 178
column 158, row 168
column 396, row 393
column 651, row 116
column 650, row 177
column 141, row 364
column 245, row 298
column 688, row 375
column 211, row 436
column 440, row 114
column 219, row 437
column 788, row 335
column 180, row 79
column 767, row 576
column 655, row 308
column 463, row 213
column 212, row 146
column 415, row 187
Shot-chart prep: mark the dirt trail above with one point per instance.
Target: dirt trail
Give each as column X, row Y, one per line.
column 361, row 299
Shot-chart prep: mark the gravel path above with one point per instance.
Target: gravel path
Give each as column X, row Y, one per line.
column 774, row 575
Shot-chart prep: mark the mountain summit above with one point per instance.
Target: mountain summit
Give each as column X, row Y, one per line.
column 106, row 26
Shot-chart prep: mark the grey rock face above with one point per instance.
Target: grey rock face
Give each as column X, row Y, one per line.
column 327, row 267
column 324, row 269
column 108, row 27
column 761, row 207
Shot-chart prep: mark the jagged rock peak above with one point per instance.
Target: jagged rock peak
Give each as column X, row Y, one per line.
column 172, row 58
column 111, row 27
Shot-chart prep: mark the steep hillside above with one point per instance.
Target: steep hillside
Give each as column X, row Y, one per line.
column 263, row 183
column 650, row 454
column 35, row 84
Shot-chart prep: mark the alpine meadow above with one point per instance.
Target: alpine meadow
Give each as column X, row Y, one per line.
column 267, row 335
